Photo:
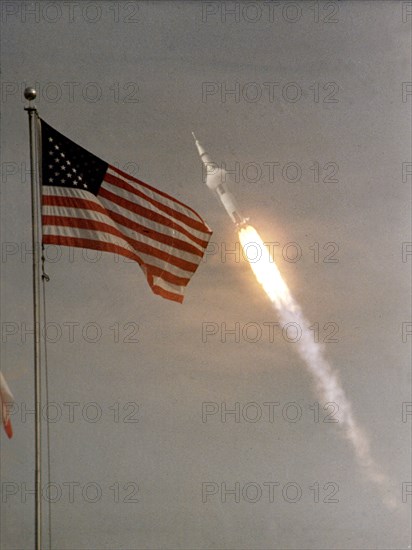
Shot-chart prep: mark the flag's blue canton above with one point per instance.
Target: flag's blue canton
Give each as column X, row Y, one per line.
column 66, row 164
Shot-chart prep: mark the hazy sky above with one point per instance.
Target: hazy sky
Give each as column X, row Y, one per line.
column 309, row 104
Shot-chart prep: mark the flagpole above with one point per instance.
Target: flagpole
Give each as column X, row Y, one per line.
column 30, row 95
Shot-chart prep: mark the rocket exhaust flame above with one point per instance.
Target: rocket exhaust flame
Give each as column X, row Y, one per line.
column 327, row 383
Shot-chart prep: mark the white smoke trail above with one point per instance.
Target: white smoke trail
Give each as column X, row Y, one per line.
column 326, row 379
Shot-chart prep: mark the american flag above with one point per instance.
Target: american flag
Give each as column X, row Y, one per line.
column 88, row 203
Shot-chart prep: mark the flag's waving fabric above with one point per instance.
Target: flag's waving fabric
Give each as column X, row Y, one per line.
column 6, row 400
column 88, row 203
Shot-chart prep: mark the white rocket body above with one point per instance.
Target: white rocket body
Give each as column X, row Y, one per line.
column 216, row 180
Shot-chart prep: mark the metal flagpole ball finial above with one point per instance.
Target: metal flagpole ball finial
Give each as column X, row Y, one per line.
column 30, row 93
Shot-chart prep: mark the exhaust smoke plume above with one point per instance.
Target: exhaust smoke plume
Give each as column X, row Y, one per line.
column 326, row 380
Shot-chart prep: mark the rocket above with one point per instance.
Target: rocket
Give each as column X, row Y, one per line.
column 216, row 181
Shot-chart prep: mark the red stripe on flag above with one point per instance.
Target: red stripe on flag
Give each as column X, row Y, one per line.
column 206, row 229
column 84, row 204
column 155, row 235
column 150, row 214
column 139, row 246
column 72, row 202
column 116, row 249
column 166, row 294
column 194, row 224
